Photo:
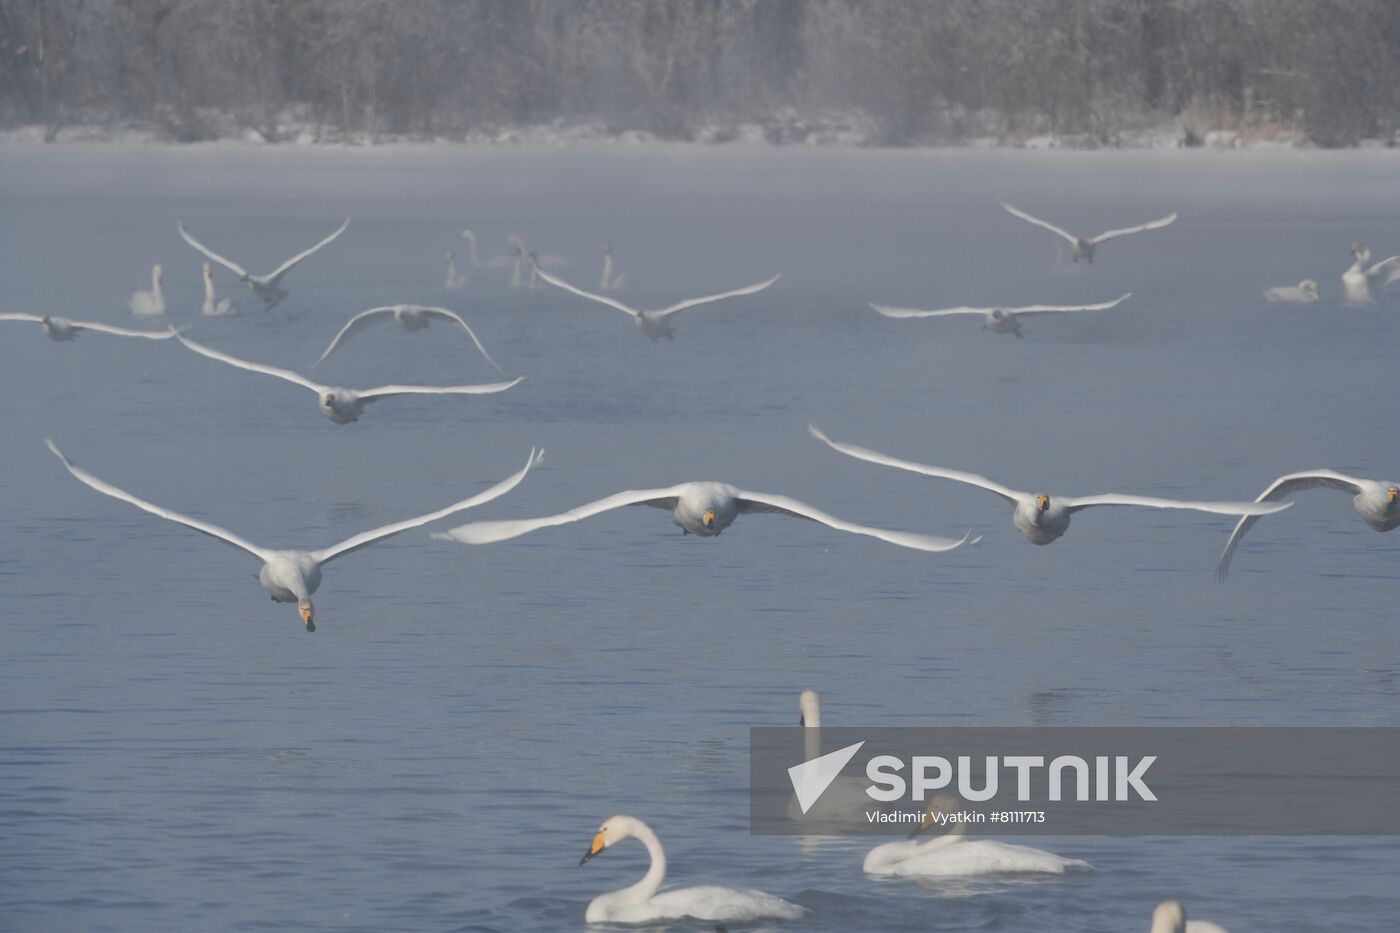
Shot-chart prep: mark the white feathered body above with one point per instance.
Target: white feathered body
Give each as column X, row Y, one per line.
column 966, row 859
column 290, row 576
column 709, row 903
column 1040, row 526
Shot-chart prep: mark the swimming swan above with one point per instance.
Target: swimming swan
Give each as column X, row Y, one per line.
column 212, row 308
column 654, row 324
column 1305, row 292
column 407, row 317
column 339, row 404
column 151, row 303
column 1377, row 502
column 640, row 903
column 292, row 576
column 1039, row 517
column 268, row 287
column 1084, row 248
column 454, row 279
column 1358, row 279
column 518, row 253
column 59, row 329
column 1170, row 917
column 952, row 856
column 844, row 799
column 1001, row 320
column 701, row 509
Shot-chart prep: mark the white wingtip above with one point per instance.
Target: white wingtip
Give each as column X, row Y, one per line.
column 48, row 442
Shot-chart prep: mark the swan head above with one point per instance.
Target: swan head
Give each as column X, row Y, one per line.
column 1169, row 917
column 308, row 613
column 940, row 805
column 810, row 705
column 208, row 271
column 710, row 519
column 1392, row 495
column 614, row 830
column 1042, row 502
column 1361, row 252
column 1308, row 287
column 157, row 273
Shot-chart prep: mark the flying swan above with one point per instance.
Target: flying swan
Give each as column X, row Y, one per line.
column 409, row 318
column 1377, row 502
column 268, row 287
column 1170, row 917
column 1358, row 279
column 345, row 405
column 654, row 324
column 1001, row 320
column 1084, row 248
column 60, row 329
column 291, row 576
column 701, row 509
column 151, row 303
column 640, row 903
column 1040, row 517
column 1305, row 292
column 212, row 308
column 952, row 856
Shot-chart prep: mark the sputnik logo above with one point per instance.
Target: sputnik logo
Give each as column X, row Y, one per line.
column 811, row 778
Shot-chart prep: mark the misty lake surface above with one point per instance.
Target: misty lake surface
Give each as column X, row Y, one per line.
column 176, row 753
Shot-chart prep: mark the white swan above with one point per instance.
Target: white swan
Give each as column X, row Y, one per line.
column 407, row 317
column 1038, row 516
column 339, row 404
column 952, row 856
column 701, row 509
column 640, row 903
column 1084, row 247
column 151, row 303
column 1358, row 279
column 844, row 799
column 1001, row 320
column 454, row 279
column 518, row 253
column 1170, row 917
column 1305, row 292
column 59, row 329
column 291, row 576
column 470, row 239
column 212, row 308
column 268, row 287
column 654, row 324
column 610, row 281
column 1377, row 502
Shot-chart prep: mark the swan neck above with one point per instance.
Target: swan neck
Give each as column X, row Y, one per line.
column 953, row 836
column 643, row 890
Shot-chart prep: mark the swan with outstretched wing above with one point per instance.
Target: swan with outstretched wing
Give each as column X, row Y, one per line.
column 268, row 287
column 1084, row 247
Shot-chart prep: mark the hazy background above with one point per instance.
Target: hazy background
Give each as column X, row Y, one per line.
column 1095, row 72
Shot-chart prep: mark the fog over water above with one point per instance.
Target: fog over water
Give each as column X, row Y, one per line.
column 176, row 753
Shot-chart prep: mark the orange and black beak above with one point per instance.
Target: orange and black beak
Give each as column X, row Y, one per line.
column 1393, row 495
column 1043, row 503
column 307, row 614
column 710, row 519
column 598, row 846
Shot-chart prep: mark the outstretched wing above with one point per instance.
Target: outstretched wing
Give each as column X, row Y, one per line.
column 455, row 318
column 1255, row 509
column 1284, row 485
column 374, row 395
column 766, row 502
column 489, row 532
column 226, row 263
column 871, row 456
column 601, row 299
column 107, row 489
column 388, row 531
column 21, row 316
column 125, row 332
column 286, row 374
column 287, row 266
column 1390, row 268
column 356, row 324
column 692, row 302
column 888, row 311
column 1039, row 223
column 1150, row 225
column 1058, row 309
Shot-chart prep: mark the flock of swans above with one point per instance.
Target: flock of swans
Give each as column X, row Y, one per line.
column 706, row 509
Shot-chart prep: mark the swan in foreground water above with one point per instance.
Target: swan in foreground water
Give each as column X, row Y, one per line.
column 1084, row 248
column 268, row 287
column 407, row 317
column 339, row 404
column 844, row 800
column 1357, row 280
column 1305, row 292
column 701, row 509
column 212, row 308
column 1377, row 502
column 291, row 576
column 654, row 324
column 1038, row 516
column 1170, row 917
column 610, row 281
column 59, row 329
column 1001, row 320
column 640, row 903
column 952, row 856
column 151, row 303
